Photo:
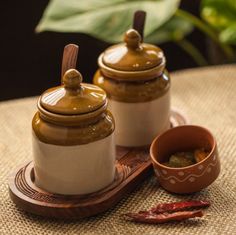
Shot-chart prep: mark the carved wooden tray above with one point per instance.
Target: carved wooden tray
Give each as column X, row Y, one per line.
column 132, row 167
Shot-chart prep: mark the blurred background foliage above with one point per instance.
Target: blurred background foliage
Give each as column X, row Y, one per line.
column 191, row 33
column 108, row 20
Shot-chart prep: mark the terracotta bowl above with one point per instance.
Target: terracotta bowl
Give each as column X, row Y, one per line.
column 191, row 178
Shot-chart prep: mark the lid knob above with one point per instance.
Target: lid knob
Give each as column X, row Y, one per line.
column 72, row 79
column 132, row 39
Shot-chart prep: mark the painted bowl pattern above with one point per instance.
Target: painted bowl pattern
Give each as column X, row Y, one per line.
column 191, row 178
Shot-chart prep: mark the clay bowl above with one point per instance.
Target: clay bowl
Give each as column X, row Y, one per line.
column 191, row 178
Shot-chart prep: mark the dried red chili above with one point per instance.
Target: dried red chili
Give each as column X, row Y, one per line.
column 153, row 218
column 169, row 212
column 179, row 206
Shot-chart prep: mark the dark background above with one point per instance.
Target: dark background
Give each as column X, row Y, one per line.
column 30, row 63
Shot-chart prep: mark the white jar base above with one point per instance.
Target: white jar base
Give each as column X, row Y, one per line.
column 137, row 124
column 79, row 169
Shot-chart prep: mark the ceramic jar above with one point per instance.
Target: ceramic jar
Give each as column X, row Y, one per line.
column 73, row 140
column 138, row 87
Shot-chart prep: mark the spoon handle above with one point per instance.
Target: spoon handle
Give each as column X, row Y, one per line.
column 69, row 58
column 139, row 22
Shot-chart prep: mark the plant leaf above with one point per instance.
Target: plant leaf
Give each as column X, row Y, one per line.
column 228, row 35
column 174, row 30
column 104, row 19
column 219, row 13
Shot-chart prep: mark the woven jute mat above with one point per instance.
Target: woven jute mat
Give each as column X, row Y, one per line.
column 207, row 96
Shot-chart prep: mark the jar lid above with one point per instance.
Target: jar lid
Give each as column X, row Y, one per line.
column 73, row 97
column 132, row 60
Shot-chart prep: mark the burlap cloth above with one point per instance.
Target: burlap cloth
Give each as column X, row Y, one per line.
column 207, row 95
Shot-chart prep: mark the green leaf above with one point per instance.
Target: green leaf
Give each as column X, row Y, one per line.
column 104, row 19
column 221, row 15
column 174, row 30
column 228, row 35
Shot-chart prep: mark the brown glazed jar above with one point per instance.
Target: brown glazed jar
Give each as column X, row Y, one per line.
column 73, row 145
column 138, row 87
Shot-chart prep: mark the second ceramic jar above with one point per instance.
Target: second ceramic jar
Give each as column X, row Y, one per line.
column 73, row 145
column 138, row 87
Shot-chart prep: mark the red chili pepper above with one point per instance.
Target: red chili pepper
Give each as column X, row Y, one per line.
column 153, row 218
column 179, row 206
column 169, row 212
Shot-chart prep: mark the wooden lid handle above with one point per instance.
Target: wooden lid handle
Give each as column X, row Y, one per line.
column 69, row 58
column 139, row 22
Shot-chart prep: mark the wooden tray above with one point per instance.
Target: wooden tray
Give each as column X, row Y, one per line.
column 132, row 167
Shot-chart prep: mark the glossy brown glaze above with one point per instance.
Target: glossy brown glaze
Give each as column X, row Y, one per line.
column 132, row 60
column 136, row 91
column 93, row 130
column 133, row 71
column 72, row 114
column 191, row 178
column 73, row 97
column 132, row 55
